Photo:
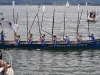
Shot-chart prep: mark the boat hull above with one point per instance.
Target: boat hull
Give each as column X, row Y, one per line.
column 93, row 45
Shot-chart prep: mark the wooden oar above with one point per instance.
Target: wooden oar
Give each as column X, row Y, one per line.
column 64, row 23
column 39, row 27
column 13, row 3
column 17, row 17
column 80, row 16
column 78, row 21
column 87, row 10
column 53, row 22
column 1, row 19
column 88, row 30
column 42, row 16
column 34, row 18
column 27, row 19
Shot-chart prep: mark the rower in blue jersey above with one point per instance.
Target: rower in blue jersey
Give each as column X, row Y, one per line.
column 30, row 38
column 43, row 39
column 2, row 36
column 17, row 38
column 79, row 39
column 92, row 38
column 54, row 41
column 67, row 39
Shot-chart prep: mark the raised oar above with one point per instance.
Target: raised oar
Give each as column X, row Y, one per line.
column 88, row 22
column 53, row 21
column 64, row 22
column 78, row 21
column 80, row 16
column 87, row 10
column 17, row 17
column 42, row 16
column 27, row 19
column 1, row 19
column 13, row 3
column 34, row 19
column 39, row 26
column 88, row 30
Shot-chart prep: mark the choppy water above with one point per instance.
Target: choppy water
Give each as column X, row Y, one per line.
column 35, row 62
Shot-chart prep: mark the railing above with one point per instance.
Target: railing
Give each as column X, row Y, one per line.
column 10, row 59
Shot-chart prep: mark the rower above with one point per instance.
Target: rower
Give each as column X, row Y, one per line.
column 79, row 39
column 30, row 38
column 2, row 36
column 67, row 40
column 54, row 39
column 92, row 38
column 17, row 38
column 43, row 39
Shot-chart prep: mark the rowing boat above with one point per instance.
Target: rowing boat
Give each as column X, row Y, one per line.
column 84, row 45
column 58, row 46
column 92, row 16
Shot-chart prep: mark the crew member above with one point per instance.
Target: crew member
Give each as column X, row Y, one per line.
column 92, row 38
column 54, row 41
column 30, row 38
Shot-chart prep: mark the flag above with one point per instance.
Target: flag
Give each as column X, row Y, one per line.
column 15, row 27
column 6, row 24
column 9, row 25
